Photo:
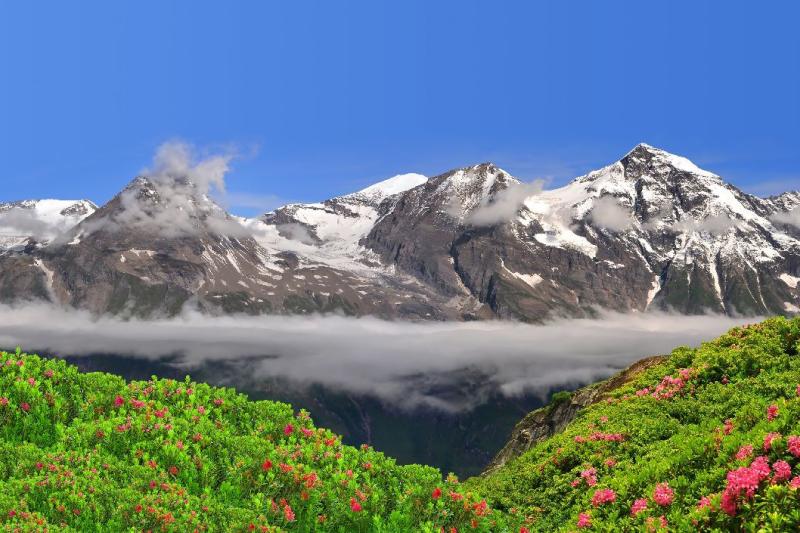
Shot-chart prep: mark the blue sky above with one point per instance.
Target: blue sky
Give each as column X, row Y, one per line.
column 322, row 98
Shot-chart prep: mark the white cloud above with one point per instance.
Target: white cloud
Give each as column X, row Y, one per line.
column 175, row 200
column 791, row 217
column 407, row 364
column 502, row 206
column 608, row 213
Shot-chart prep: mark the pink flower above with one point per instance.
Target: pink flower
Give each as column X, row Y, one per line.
column 31, row 382
column 663, row 495
column 704, row 503
column 288, row 430
column 48, row 373
column 638, row 506
column 288, row 514
column 728, row 427
column 307, row 432
column 3, row 401
column 744, row 452
column 119, row 401
column 201, row 410
column 795, row 482
column 218, row 401
column 584, row 520
column 603, row 496
column 769, row 438
column 793, row 445
column 772, row 412
column 25, row 406
column 782, row 470
column 797, row 390
column 590, row 476
column 610, row 462
column 354, row 505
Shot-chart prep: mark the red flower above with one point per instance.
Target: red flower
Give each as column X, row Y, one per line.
column 25, row 406
column 769, row 438
column 728, row 427
column 354, row 505
column 288, row 514
column 119, row 401
column 584, row 520
column 266, row 465
column 663, row 495
column 638, row 506
column 288, row 430
column 3, row 401
column 744, row 452
column 793, row 445
column 772, row 412
column 705, row 502
column 173, row 470
column 603, row 496
column 782, row 470
column 437, row 493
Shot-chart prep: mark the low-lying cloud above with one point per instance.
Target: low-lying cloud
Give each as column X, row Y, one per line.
column 504, row 205
column 406, row 364
column 608, row 213
column 791, row 217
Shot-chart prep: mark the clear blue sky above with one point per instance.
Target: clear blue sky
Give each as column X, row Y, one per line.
column 323, row 98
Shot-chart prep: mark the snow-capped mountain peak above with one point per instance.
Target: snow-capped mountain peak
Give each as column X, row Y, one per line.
column 39, row 221
column 389, row 187
column 649, row 231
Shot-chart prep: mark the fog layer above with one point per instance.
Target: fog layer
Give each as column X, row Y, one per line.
column 407, row 364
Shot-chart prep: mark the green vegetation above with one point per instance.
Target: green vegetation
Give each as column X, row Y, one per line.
column 708, row 440
column 90, row 452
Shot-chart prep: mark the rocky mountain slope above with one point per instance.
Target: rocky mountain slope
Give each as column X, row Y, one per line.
column 32, row 223
column 651, row 231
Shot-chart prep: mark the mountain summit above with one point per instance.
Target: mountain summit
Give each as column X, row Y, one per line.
column 650, row 231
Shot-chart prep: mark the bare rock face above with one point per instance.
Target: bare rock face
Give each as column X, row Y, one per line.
column 550, row 420
column 651, row 231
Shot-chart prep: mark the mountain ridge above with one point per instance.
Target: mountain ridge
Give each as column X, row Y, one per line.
column 651, row 230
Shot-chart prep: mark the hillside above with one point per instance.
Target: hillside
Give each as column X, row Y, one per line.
column 90, row 452
column 705, row 439
column 708, row 439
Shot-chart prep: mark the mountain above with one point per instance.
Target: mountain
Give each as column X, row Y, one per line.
column 32, row 223
column 650, row 231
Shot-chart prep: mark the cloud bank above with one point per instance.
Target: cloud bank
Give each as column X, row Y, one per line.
column 504, row 205
column 406, row 364
column 791, row 217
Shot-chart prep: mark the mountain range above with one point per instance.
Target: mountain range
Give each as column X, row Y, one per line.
column 650, row 231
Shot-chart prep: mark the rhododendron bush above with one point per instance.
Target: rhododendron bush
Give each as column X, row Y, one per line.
column 707, row 440
column 91, row 452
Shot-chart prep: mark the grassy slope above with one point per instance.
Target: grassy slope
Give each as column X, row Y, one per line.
column 88, row 451
column 675, row 434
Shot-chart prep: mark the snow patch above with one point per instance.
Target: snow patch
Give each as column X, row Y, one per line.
column 791, row 281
